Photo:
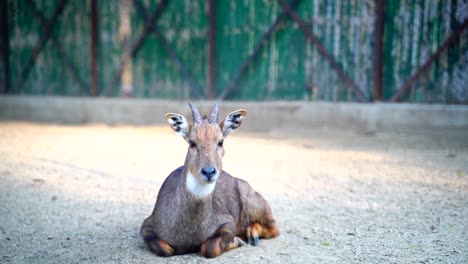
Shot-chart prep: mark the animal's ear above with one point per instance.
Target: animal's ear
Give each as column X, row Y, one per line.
column 233, row 121
column 178, row 123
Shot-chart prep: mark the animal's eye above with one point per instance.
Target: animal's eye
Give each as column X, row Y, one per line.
column 220, row 143
column 192, row 144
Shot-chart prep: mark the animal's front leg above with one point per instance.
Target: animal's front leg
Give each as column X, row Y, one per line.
column 223, row 240
column 157, row 245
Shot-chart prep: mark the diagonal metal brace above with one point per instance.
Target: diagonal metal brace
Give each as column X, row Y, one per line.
column 133, row 50
column 40, row 45
column 194, row 85
column 66, row 60
column 454, row 36
column 351, row 84
column 264, row 40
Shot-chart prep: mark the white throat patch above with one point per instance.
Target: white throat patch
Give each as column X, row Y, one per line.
column 198, row 188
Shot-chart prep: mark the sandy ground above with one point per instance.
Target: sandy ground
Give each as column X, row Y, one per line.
column 78, row 194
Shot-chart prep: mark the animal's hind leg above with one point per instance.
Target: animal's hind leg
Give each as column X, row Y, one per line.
column 255, row 231
column 158, row 246
column 258, row 221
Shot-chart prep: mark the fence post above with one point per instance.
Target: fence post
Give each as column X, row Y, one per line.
column 93, row 49
column 211, row 49
column 378, row 50
column 5, row 48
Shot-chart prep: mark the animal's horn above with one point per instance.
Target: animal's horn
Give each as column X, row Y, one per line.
column 214, row 115
column 195, row 114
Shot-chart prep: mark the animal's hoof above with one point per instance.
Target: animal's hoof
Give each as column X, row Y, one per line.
column 255, row 241
column 252, row 233
column 240, row 242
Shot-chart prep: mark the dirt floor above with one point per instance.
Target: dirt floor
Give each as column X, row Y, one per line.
column 78, row 194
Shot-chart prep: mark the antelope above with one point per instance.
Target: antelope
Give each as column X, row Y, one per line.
column 199, row 207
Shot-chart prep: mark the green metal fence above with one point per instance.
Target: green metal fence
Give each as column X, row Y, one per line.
column 173, row 59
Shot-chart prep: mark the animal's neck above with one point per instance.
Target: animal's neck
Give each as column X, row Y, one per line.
column 197, row 188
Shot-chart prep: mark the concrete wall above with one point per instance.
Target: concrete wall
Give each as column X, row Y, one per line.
column 263, row 116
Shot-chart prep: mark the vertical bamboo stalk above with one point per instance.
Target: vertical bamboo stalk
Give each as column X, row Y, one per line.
column 211, row 49
column 378, row 49
column 93, row 50
column 5, row 48
column 125, row 32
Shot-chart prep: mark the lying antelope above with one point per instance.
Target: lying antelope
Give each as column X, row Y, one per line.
column 200, row 207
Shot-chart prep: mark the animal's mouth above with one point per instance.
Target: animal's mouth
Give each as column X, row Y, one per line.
column 210, row 180
column 200, row 186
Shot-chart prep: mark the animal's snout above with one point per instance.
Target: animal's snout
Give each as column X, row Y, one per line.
column 208, row 172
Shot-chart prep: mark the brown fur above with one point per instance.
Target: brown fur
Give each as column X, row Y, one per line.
column 205, row 133
column 211, row 248
column 182, row 222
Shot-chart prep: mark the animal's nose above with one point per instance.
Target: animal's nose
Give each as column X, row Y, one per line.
column 208, row 172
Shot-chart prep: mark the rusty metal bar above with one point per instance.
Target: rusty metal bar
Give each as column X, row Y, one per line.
column 351, row 84
column 66, row 60
column 133, row 50
column 211, row 49
column 378, row 50
column 5, row 47
column 93, row 47
column 193, row 84
column 230, row 86
column 454, row 36
column 40, row 44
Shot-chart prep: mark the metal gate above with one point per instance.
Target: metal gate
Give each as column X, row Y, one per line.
column 350, row 50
